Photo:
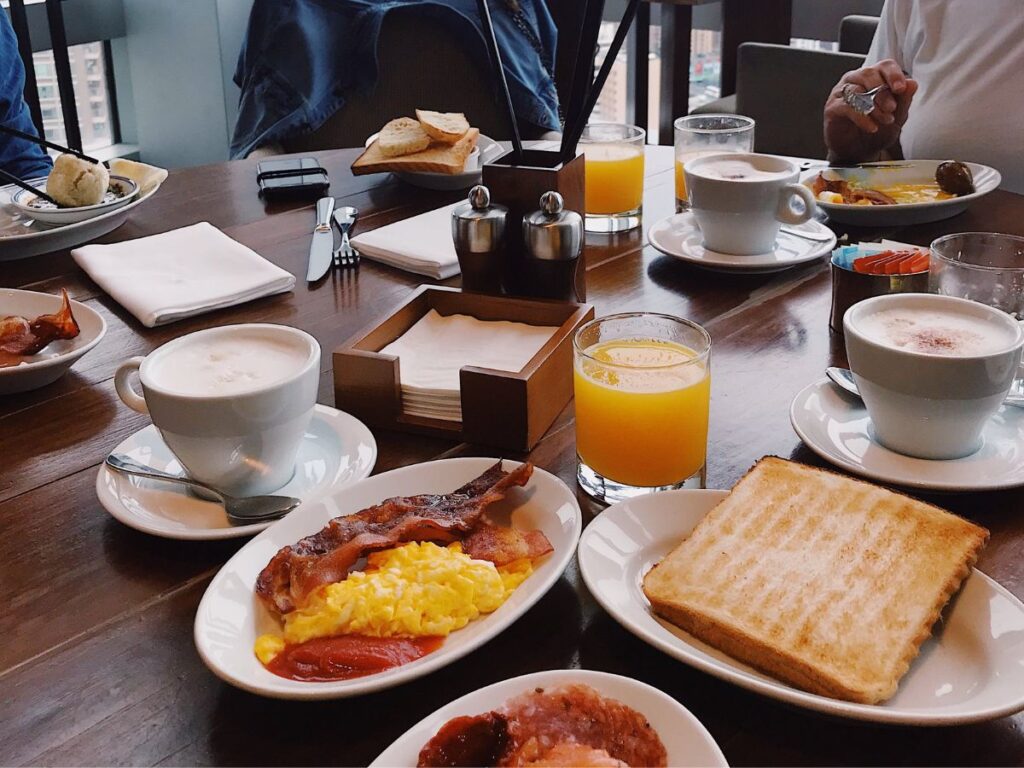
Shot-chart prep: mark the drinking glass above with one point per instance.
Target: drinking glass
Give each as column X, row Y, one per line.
column 697, row 135
column 614, row 157
column 642, row 383
column 982, row 266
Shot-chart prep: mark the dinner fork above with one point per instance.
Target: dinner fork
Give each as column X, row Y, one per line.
column 861, row 101
column 346, row 257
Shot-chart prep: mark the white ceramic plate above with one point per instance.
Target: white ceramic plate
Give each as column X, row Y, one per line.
column 336, row 451
column 904, row 172
column 230, row 616
column 22, row 237
column 970, row 670
column 686, row 741
column 486, row 150
column 836, row 426
column 54, row 360
column 679, row 236
column 121, row 192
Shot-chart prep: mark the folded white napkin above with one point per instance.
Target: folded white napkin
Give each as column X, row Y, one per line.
column 421, row 244
column 181, row 273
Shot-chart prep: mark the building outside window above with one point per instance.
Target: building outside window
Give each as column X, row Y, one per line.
column 92, row 101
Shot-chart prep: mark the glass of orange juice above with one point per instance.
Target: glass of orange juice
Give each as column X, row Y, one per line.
column 614, row 158
column 643, row 386
column 697, row 135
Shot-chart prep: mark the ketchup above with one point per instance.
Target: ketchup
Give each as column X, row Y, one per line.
column 467, row 741
column 324, row 659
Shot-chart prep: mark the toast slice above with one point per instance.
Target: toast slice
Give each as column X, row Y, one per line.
column 827, row 583
column 437, row 158
column 402, row 137
column 446, row 127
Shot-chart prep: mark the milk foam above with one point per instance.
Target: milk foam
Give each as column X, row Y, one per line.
column 734, row 170
column 228, row 364
column 934, row 332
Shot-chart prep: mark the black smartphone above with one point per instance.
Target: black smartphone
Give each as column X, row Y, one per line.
column 292, row 177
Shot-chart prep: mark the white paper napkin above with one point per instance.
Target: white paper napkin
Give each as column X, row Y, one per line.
column 421, row 244
column 181, row 273
column 432, row 352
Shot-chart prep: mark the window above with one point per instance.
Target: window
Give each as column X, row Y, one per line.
column 92, row 100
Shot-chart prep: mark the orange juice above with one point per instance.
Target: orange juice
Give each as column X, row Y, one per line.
column 642, row 420
column 615, row 178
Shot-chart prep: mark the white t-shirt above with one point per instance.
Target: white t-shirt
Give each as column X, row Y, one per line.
column 968, row 58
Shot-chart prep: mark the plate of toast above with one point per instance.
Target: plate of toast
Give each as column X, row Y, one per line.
column 436, row 150
column 818, row 590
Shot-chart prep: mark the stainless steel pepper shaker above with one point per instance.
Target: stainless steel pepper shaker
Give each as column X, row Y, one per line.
column 553, row 238
column 478, row 229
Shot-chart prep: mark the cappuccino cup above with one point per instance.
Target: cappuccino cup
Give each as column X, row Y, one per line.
column 931, row 369
column 232, row 403
column 740, row 200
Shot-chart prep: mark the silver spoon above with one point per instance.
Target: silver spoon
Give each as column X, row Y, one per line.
column 862, row 101
column 252, row 509
column 843, row 378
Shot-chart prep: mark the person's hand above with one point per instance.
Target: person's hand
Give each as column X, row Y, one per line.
column 853, row 137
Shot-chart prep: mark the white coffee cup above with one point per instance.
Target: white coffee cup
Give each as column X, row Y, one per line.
column 741, row 199
column 232, row 403
column 922, row 403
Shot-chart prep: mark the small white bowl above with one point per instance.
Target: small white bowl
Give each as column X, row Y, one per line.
column 122, row 191
column 54, row 360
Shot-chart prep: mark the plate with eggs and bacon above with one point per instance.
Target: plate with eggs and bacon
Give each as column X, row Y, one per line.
column 387, row 580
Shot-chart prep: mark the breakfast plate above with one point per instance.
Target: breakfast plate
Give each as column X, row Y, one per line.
column 337, row 450
column 679, row 236
column 56, row 359
column 686, row 740
column 486, row 150
column 836, row 426
column 968, row 671
column 121, row 191
column 231, row 616
column 888, row 173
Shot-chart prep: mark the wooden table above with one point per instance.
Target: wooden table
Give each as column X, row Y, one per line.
column 97, row 664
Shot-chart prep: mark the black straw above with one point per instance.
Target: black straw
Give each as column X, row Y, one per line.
column 45, row 143
column 593, row 11
column 602, row 77
column 12, row 179
column 499, row 70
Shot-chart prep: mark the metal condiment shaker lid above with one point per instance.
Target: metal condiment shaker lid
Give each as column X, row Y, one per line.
column 552, row 233
column 477, row 225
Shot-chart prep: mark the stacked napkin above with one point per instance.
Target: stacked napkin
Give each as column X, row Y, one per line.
column 181, row 273
column 422, row 244
column 432, row 352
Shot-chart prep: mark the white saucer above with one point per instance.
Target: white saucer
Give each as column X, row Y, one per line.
column 836, row 427
column 337, row 451
column 679, row 236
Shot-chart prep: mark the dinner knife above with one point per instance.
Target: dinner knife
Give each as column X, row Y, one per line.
column 321, row 249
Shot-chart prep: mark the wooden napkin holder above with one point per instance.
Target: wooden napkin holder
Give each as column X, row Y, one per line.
column 506, row 410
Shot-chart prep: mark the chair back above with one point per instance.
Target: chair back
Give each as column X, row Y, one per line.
column 784, row 89
column 856, row 33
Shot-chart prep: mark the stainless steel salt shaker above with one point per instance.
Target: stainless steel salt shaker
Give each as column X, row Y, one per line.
column 478, row 229
column 553, row 238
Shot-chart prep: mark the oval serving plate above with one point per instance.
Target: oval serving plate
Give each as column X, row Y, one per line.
column 230, row 616
column 486, row 150
column 55, row 359
column 686, row 740
column 886, row 173
column 968, row 671
column 121, row 191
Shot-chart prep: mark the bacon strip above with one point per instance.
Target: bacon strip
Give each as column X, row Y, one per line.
column 20, row 336
column 502, row 545
column 326, row 557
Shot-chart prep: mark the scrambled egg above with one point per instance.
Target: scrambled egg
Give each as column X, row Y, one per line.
column 415, row 590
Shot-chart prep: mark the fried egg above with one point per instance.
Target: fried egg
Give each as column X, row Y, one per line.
column 415, row 590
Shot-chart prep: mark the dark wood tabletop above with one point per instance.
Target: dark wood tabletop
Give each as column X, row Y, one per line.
column 97, row 662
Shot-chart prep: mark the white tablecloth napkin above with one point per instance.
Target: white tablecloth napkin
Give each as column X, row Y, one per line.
column 421, row 244
column 181, row 273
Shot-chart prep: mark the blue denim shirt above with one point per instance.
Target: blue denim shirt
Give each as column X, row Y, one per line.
column 22, row 158
column 301, row 57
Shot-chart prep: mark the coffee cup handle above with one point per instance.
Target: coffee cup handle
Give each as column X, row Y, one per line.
column 786, row 213
column 124, row 389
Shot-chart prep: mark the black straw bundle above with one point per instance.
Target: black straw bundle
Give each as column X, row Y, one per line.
column 499, row 70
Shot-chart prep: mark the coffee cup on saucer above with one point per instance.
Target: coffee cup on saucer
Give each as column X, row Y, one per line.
column 740, row 200
column 232, row 403
column 932, row 370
